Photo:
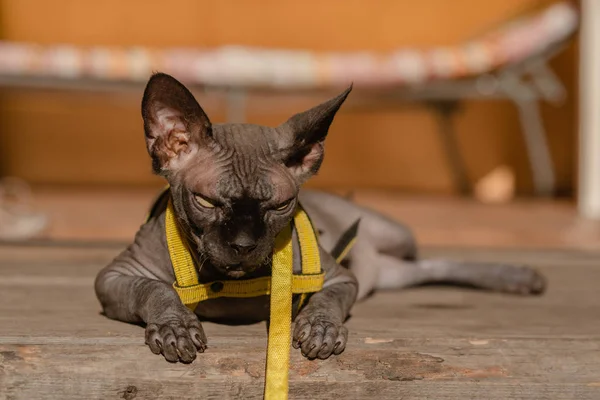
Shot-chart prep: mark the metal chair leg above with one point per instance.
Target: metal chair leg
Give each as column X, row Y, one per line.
column 444, row 112
column 526, row 97
column 537, row 146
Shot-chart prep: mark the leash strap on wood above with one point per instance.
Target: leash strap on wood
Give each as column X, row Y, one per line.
column 278, row 347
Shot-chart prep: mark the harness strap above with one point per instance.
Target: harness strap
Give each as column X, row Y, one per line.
column 345, row 242
column 192, row 292
column 246, row 288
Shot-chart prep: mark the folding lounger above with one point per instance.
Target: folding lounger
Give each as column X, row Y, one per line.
column 508, row 63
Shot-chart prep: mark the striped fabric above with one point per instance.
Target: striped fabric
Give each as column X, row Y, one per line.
column 286, row 69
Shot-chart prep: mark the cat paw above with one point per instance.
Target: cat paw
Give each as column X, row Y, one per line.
column 177, row 339
column 317, row 337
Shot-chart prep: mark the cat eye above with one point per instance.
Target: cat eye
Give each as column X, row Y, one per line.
column 284, row 206
column 204, row 202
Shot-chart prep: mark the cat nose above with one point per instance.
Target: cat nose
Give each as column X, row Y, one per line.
column 243, row 248
column 243, row 245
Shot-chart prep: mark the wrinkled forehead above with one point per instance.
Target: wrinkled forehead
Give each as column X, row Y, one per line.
column 250, row 162
column 231, row 185
column 248, row 139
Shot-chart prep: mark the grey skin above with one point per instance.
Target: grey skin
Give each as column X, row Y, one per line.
column 234, row 187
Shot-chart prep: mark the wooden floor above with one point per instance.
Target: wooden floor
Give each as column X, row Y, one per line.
column 115, row 215
column 424, row 343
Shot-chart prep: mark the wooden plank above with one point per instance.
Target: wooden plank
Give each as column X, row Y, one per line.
column 112, row 214
column 202, row 389
column 442, row 343
column 410, row 313
column 525, row 368
column 204, row 23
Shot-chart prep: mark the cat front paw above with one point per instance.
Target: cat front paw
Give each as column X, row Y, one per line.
column 177, row 338
column 319, row 337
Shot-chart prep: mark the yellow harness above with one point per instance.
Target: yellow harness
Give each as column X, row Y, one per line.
column 191, row 292
column 281, row 285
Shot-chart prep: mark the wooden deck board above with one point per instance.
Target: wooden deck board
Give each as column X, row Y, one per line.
column 109, row 214
column 433, row 342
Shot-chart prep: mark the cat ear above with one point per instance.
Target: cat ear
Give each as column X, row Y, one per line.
column 174, row 123
column 305, row 135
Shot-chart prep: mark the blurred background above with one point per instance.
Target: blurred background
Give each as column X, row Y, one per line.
column 464, row 122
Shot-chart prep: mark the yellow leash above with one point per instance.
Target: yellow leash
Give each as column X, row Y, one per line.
column 280, row 286
column 278, row 347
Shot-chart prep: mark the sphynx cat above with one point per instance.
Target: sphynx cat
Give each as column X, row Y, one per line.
column 234, row 187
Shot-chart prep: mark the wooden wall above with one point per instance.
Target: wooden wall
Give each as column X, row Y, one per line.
column 50, row 137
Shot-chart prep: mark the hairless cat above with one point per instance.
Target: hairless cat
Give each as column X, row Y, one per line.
column 234, row 187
